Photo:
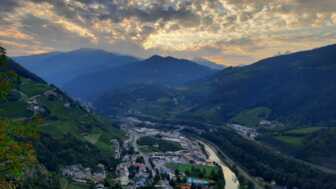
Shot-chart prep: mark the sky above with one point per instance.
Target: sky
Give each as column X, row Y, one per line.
column 230, row 32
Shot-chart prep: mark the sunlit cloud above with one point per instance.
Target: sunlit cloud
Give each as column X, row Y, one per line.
column 14, row 33
column 240, row 31
column 46, row 11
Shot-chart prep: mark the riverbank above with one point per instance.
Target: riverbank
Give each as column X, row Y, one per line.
column 231, row 181
column 231, row 164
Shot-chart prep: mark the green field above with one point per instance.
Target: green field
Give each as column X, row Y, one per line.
column 31, row 88
column 291, row 140
column 206, row 170
column 251, row 117
column 304, row 131
column 296, row 137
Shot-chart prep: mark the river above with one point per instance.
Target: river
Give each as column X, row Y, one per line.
column 231, row 181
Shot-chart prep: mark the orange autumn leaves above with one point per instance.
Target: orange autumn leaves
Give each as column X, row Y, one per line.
column 16, row 149
column 17, row 154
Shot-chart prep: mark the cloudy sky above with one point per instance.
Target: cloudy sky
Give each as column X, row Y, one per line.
column 230, row 32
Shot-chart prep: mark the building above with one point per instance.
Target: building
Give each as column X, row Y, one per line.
column 185, row 186
column 197, row 182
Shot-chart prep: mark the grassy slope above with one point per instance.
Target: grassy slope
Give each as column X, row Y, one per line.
column 65, row 132
column 313, row 144
column 252, row 117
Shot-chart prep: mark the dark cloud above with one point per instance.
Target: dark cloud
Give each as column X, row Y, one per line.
column 239, row 30
column 49, row 33
column 119, row 10
column 8, row 5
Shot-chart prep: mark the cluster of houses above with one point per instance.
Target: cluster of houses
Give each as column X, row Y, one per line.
column 191, row 152
column 80, row 174
column 158, row 163
column 247, row 132
column 252, row 133
column 195, row 183
column 133, row 173
column 36, row 108
column 270, row 124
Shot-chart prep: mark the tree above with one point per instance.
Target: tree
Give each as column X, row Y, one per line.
column 6, row 77
column 16, row 149
column 2, row 51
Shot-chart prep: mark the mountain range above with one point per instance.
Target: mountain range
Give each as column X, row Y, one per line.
column 296, row 88
column 294, row 94
column 290, row 100
column 61, row 67
column 86, row 74
column 166, row 71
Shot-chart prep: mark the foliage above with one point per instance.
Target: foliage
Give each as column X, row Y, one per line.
column 14, row 109
column 213, row 174
column 251, row 117
column 269, row 165
column 313, row 144
column 198, row 171
column 31, row 88
column 295, row 87
column 55, row 153
column 34, row 146
column 16, row 150
column 320, row 147
column 7, row 78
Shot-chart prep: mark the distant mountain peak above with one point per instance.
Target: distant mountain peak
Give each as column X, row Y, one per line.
column 91, row 50
column 155, row 57
column 208, row 63
column 158, row 58
column 88, row 49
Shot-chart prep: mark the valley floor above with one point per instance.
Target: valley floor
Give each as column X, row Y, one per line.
column 187, row 163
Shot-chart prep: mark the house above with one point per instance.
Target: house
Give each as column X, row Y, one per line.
column 67, row 105
column 185, row 186
column 100, row 186
column 197, row 182
column 265, row 123
column 50, row 94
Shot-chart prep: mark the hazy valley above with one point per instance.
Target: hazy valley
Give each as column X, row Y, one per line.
column 166, row 94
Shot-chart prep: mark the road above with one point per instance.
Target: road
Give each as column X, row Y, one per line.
column 134, row 137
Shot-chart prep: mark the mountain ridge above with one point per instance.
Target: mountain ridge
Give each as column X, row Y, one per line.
column 60, row 67
column 283, row 83
column 154, row 70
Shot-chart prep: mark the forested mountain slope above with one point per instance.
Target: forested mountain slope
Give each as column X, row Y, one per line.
column 43, row 131
column 164, row 71
column 61, row 67
column 297, row 89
